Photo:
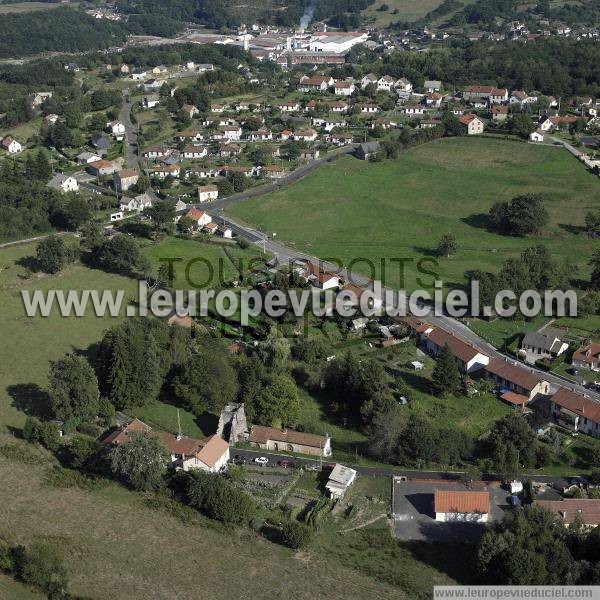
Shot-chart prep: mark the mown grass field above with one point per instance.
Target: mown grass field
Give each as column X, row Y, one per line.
column 20, row 7
column 115, row 546
column 398, row 10
column 364, row 213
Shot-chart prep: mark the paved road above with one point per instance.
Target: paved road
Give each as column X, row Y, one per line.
column 383, row 471
column 130, row 132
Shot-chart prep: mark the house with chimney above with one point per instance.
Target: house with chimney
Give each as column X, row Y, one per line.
column 569, row 511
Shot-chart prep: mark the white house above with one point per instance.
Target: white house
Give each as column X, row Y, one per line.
column 11, row 145
column 63, row 183
column 340, row 479
column 199, row 217
column 343, row 88
column 385, row 83
column 468, row 358
column 288, row 440
column 207, row 193
column 403, row 85
column 137, row 204
column 536, row 136
column 461, row 506
column 117, row 129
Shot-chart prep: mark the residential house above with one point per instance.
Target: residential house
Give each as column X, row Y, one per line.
column 137, row 204
column 468, row 506
column 189, row 136
column 125, row 179
column 159, row 70
column 291, row 106
column 190, row 110
column 429, row 123
column 339, row 106
column 306, row 135
column 515, row 378
column 100, row 142
column 210, row 454
column 194, row 152
column 414, row 109
column 286, row 134
column 574, row 511
column 273, row 171
column 468, row 358
column 63, row 183
column 288, row 440
column 139, row 74
column 367, row 150
column 11, row 145
column 319, row 277
column 340, row 479
column 369, row 79
column 536, row 136
column 85, row 158
column 260, row 135
column 151, row 84
column 207, row 193
column 499, row 113
column 492, row 94
column 434, row 100
column 228, row 132
column 316, row 83
column 340, row 139
column 343, row 88
column 544, row 344
column 587, row 357
column 199, row 217
column 38, row 98
column 155, row 152
column 217, row 108
column 101, row 167
column 385, row 83
column 151, row 101
column 576, row 412
column 521, row 98
column 367, row 108
column 227, row 150
column 124, row 69
column 117, row 129
column 473, row 124
column 51, row 119
column 403, row 85
column 309, row 154
column 432, row 86
column 164, row 171
column 210, row 228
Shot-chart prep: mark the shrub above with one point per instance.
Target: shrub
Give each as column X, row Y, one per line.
column 296, row 535
column 41, row 566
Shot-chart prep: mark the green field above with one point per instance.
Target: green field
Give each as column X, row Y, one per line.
column 20, row 7
column 354, row 210
column 407, row 10
column 28, row 344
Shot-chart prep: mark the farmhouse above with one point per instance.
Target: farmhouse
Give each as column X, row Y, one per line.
column 573, row 510
column 210, row 454
column 307, row 135
column 366, row 108
column 206, row 193
column 520, row 380
column 458, row 506
column 499, row 113
column 125, row 179
column 468, row 358
column 414, row 109
column 194, row 152
column 385, row 83
column 587, row 357
column 137, row 204
column 287, row 106
column 199, row 217
column 474, row 125
column 166, row 171
column 288, row 440
column 316, row 83
column 403, row 85
column 11, row 145
column 492, row 94
column 340, row 479
column 273, row 171
column 63, row 183
column 576, row 412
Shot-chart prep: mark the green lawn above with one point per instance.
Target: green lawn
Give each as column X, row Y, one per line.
column 201, row 264
column 399, row 10
column 28, row 344
column 362, row 213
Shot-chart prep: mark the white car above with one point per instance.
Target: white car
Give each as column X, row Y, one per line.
column 261, row 460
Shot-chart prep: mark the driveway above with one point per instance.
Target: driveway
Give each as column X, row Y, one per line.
column 414, row 518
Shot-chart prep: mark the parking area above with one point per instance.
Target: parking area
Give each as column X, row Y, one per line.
column 414, row 517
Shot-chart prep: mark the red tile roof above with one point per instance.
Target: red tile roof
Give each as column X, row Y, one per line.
column 518, row 375
column 458, row 347
column 451, row 501
column 261, row 435
column 578, row 404
column 568, row 509
column 514, row 398
column 588, row 354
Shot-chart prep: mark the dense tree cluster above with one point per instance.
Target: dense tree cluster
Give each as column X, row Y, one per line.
column 529, row 547
column 523, row 215
column 63, row 30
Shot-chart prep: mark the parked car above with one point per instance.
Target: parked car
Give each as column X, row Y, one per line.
column 261, row 460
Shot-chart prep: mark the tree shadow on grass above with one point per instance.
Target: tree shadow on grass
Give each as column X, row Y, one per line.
column 426, row 251
column 418, row 382
column 31, row 399
column 574, row 229
column 479, row 220
column 29, row 262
